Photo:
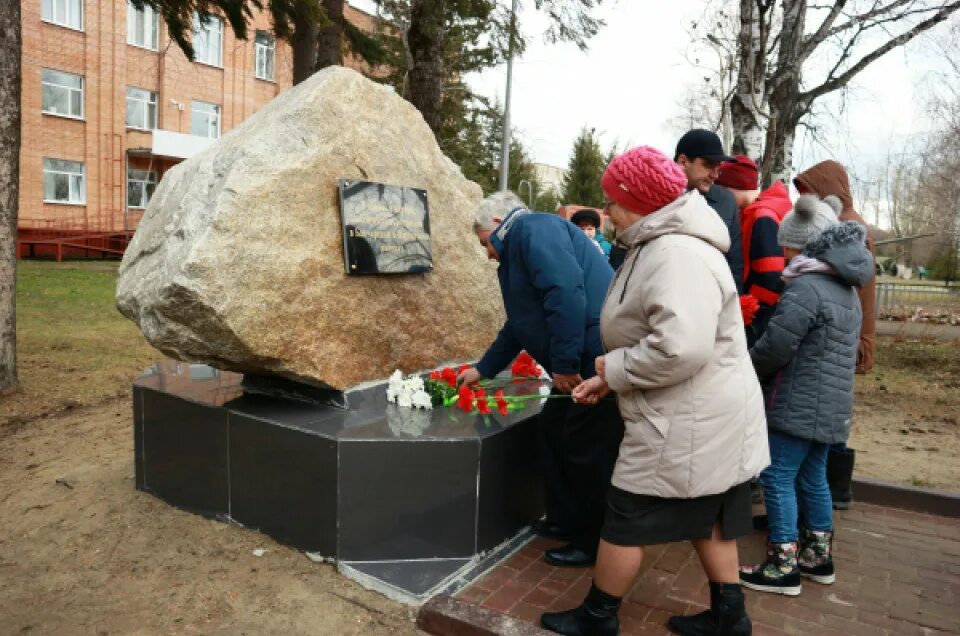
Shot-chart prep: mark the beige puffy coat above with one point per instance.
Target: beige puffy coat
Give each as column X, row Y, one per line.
column 677, row 358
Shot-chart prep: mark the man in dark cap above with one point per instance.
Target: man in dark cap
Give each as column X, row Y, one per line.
column 700, row 153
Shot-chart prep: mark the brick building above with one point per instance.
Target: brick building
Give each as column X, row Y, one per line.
column 110, row 103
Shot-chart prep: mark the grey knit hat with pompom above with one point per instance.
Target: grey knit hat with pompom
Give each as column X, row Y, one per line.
column 810, row 216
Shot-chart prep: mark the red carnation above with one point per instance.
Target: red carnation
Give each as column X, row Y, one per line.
column 525, row 366
column 465, row 399
column 449, row 376
column 501, row 402
column 483, row 407
column 748, row 308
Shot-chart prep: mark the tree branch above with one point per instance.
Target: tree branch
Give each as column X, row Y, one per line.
column 873, row 21
column 814, row 39
column 843, row 79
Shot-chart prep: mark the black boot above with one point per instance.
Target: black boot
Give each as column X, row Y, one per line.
column 596, row 616
column 839, row 476
column 726, row 617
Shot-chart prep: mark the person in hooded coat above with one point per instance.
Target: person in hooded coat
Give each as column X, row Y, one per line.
column 695, row 434
column 806, row 360
column 824, row 179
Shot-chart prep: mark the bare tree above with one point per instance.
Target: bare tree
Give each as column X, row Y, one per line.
column 778, row 55
column 10, row 47
column 713, row 52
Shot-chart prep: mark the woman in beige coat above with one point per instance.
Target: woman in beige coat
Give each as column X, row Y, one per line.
column 693, row 410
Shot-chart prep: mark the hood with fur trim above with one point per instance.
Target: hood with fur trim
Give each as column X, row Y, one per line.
column 843, row 247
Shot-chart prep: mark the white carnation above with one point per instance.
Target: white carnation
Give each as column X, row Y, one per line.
column 421, row 400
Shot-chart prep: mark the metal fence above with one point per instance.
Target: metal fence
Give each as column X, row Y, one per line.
column 891, row 296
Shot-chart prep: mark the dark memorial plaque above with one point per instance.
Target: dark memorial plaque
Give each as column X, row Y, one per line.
column 386, row 228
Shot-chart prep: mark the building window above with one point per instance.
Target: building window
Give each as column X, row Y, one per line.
column 143, row 28
column 208, row 39
column 140, row 187
column 68, row 13
column 264, row 48
column 62, row 93
column 64, row 181
column 141, row 109
column 205, row 121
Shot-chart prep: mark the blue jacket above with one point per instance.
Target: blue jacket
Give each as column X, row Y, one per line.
column 553, row 280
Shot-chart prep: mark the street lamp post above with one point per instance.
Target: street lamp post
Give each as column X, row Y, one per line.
column 505, row 148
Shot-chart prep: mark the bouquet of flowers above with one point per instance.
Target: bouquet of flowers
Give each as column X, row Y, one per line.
column 440, row 389
column 408, row 392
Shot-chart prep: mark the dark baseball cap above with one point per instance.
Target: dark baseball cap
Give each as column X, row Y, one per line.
column 702, row 143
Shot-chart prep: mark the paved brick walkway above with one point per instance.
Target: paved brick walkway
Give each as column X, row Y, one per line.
column 898, row 574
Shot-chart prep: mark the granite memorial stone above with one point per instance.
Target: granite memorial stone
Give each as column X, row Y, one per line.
column 239, row 259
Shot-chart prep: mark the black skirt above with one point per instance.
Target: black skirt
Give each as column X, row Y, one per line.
column 640, row 520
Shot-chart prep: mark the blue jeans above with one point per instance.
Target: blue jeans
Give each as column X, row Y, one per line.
column 796, row 483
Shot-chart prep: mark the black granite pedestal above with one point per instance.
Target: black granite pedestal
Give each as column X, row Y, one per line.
column 407, row 497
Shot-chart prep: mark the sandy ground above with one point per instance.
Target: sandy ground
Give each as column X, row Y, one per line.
column 83, row 552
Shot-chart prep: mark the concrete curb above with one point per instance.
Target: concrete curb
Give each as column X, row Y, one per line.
column 927, row 500
column 447, row 616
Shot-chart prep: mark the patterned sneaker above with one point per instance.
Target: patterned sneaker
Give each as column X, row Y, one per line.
column 778, row 574
column 816, row 556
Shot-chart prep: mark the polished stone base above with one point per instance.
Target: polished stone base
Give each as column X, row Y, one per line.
column 410, row 498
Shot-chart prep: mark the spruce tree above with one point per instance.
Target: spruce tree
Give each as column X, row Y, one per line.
column 582, row 183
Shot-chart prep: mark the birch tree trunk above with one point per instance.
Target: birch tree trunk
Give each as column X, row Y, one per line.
column 746, row 115
column 10, row 51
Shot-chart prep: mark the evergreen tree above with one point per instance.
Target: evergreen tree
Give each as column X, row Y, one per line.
column 547, row 199
column 316, row 30
column 582, row 183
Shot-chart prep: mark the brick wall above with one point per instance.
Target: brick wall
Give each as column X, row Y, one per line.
column 100, row 140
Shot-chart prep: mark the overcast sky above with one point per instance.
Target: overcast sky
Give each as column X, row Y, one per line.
column 629, row 83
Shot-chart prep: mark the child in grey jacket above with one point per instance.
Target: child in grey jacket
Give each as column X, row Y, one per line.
column 805, row 361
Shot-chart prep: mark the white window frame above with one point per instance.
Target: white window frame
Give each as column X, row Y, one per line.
column 49, row 13
column 70, row 90
column 149, row 35
column 211, row 124
column 76, row 191
column 205, row 28
column 151, row 100
column 145, row 178
column 268, row 54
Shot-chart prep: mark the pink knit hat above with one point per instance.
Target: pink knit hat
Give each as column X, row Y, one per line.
column 643, row 180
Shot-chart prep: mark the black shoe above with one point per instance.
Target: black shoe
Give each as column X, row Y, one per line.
column 550, row 530
column 840, row 477
column 726, row 617
column 569, row 556
column 596, row 616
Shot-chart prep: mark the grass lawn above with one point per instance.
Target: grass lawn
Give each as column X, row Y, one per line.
column 73, row 346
